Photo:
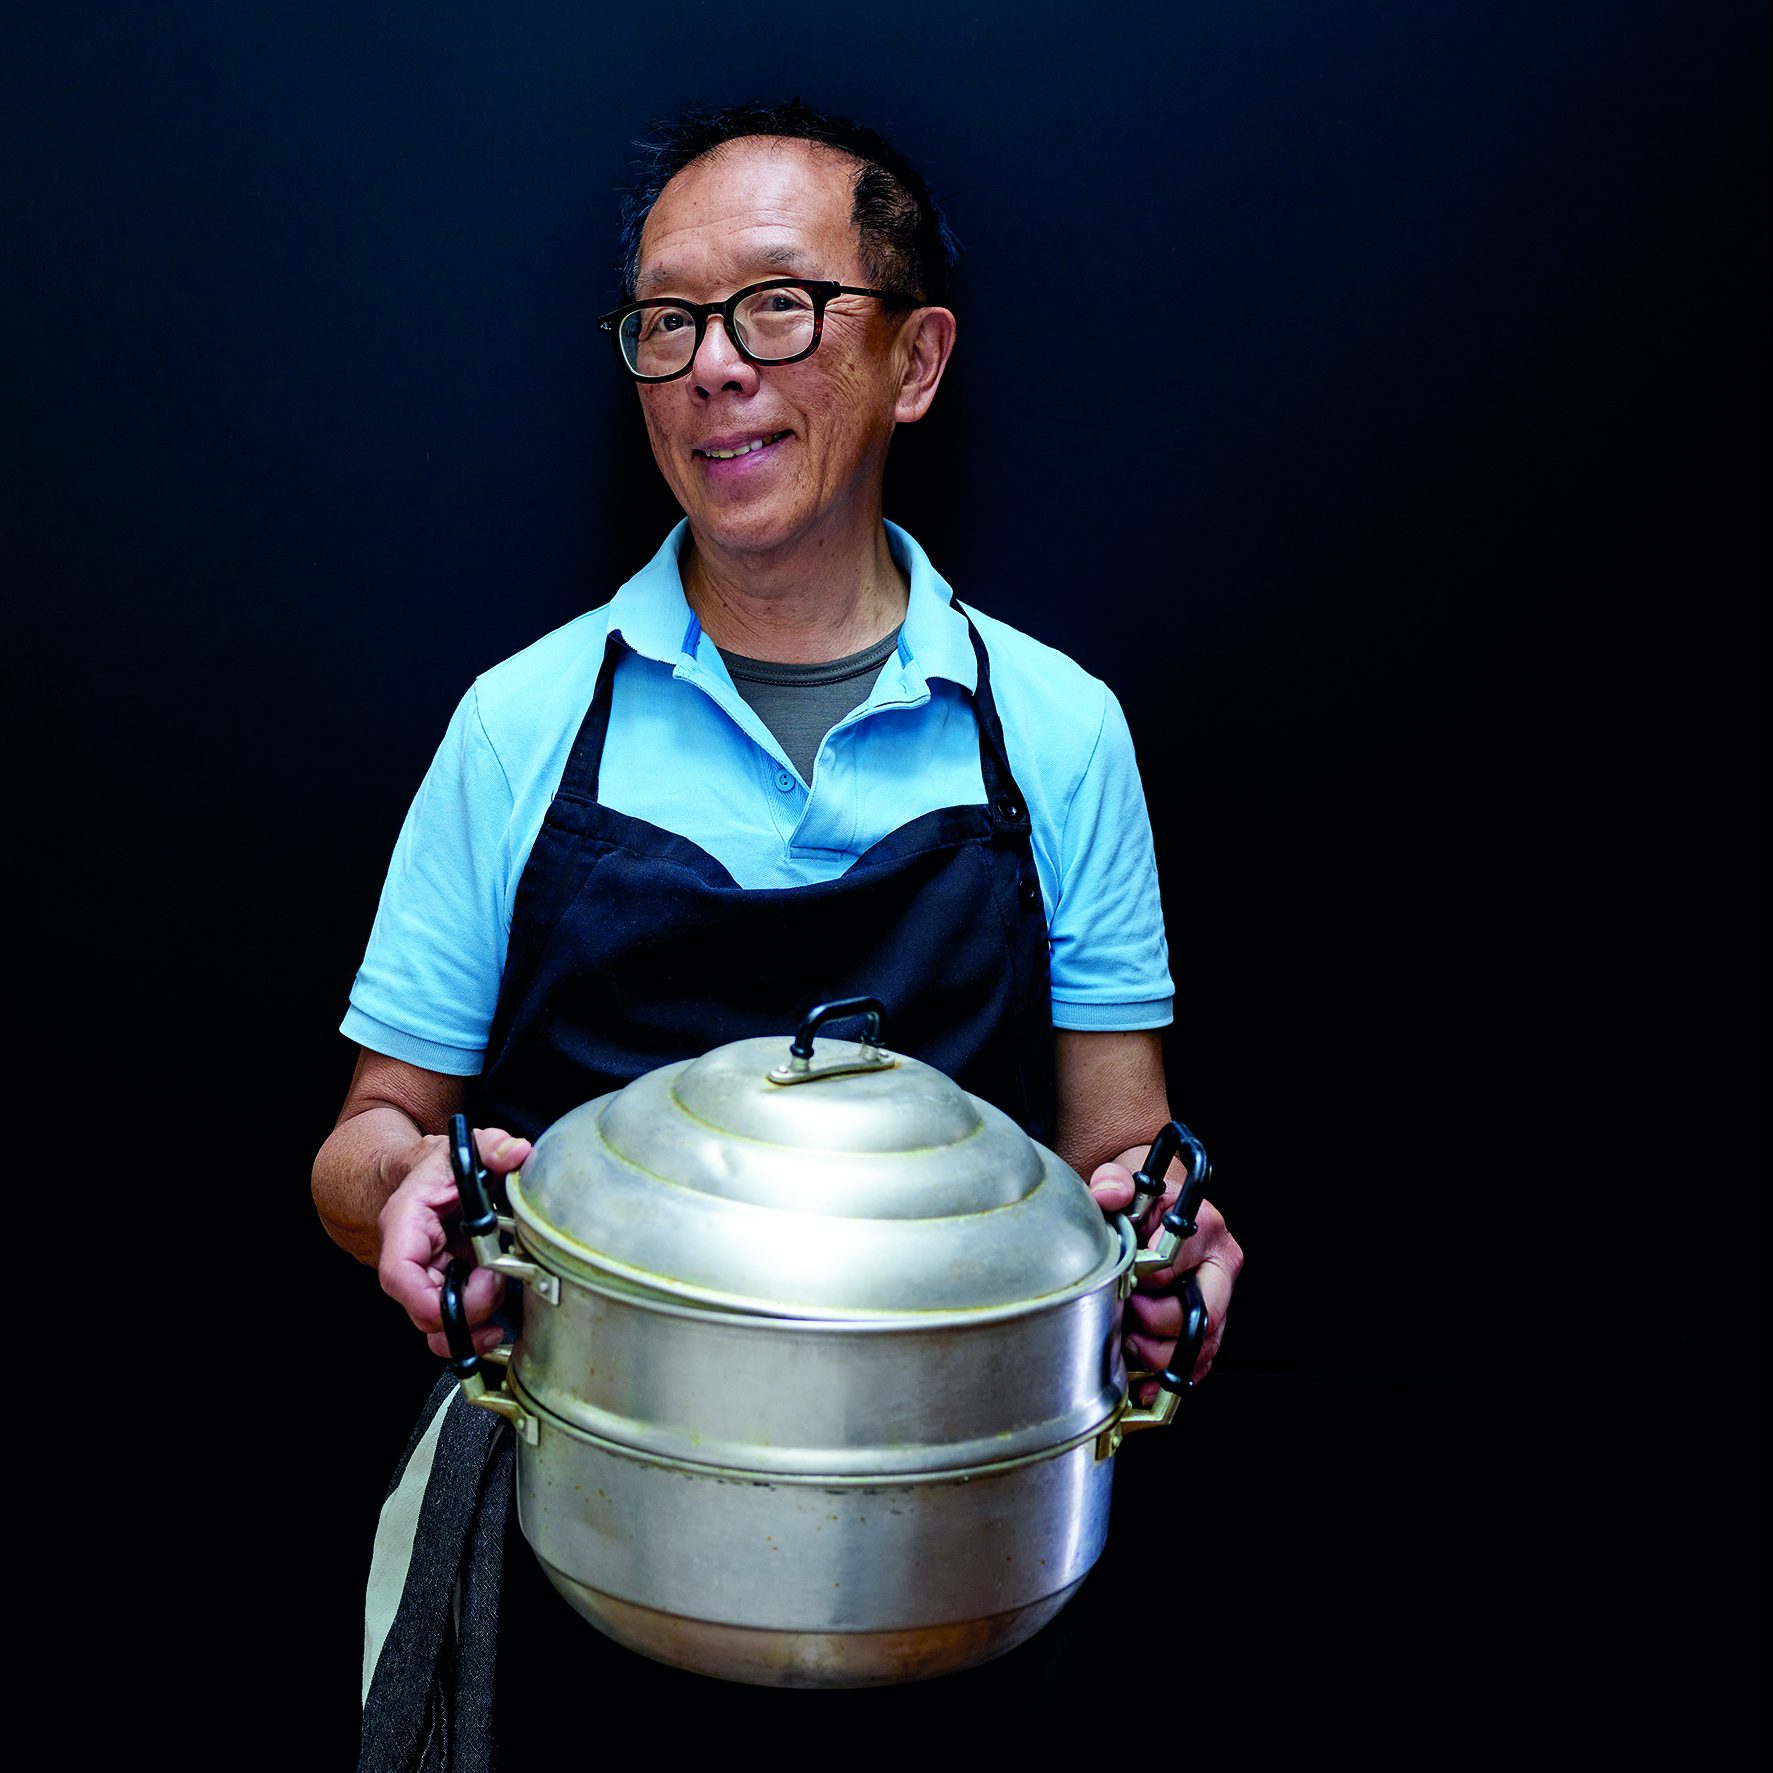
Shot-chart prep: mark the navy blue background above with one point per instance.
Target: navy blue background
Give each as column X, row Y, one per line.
column 1423, row 539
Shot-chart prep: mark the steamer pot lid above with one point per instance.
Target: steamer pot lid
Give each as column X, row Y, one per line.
column 872, row 1189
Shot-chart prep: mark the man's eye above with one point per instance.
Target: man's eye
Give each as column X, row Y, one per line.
column 779, row 301
column 653, row 323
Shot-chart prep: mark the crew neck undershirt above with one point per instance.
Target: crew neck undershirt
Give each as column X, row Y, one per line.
column 800, row 704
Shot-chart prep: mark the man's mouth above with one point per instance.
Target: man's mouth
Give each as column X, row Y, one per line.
column 726, row 454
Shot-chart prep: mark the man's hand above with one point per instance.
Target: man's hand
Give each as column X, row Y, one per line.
column 416, row 1246
column 1111, row 1089
column 1154, row 1312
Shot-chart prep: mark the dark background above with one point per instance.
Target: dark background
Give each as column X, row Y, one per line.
column 1424, row 548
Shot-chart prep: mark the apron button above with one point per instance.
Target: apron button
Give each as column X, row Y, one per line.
column 1008, row 809
column 1030, row 892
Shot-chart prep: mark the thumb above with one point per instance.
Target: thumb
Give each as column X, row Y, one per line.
column 501, row 1151
column 1112, row 1186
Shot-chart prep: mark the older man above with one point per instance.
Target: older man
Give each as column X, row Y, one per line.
column 783, row 763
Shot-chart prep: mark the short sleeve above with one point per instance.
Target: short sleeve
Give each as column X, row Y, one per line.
column 430, row 977
column 1110, row 962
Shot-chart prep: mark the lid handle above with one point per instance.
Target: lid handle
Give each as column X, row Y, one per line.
column 821, row 1013
column 799, row 1066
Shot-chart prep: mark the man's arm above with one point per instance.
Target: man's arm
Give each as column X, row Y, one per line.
column 1112, row 1100
column 392, row 1112
column 384, row 1189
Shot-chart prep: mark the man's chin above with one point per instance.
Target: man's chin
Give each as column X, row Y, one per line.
column 741, row 527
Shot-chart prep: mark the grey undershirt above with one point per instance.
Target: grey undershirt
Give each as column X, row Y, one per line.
column 800, row 704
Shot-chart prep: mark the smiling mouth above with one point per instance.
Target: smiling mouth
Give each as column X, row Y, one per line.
column 743, row 449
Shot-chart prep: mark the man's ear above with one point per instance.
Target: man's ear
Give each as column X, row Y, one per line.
column 927, row 341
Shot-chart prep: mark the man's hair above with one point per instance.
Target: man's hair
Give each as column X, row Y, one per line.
column 906, row 243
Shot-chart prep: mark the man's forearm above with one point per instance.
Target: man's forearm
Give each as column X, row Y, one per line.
column 1111, row 1096
column 360, row 1165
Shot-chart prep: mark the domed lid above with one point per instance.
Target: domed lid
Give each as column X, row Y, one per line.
column 850, row 1183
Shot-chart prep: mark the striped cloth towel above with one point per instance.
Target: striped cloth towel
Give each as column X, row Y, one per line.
column 431, row 1613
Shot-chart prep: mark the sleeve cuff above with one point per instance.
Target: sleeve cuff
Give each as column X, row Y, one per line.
column 396, row 1043
column 1114, row 1018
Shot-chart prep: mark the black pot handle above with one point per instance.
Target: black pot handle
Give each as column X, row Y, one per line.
column 467, row 1365
column 1173, row 1140
column 1173, row 1382
column 478, row 1216
column 463, row 1361
column 1194, row 1332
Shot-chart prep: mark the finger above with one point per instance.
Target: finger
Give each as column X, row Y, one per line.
column 413, row 1245
column 1155, row 1321
column 1215, row 1291
column 487, row 1337
column 1154, row 1353
column 1212, row 1241
column 414, row 1289
column 500, row 1151
column 1112, row 1186
column 1156, row 1314
column 481, row 1294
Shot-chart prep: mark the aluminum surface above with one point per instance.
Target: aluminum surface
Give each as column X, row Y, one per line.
column 806, row 1658
column 836, row 1397
column 772, row 1554
column 866, row 1195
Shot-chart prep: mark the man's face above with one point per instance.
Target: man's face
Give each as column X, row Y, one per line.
column 760, row 208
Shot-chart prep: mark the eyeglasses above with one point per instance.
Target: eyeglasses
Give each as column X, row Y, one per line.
column 775, row 322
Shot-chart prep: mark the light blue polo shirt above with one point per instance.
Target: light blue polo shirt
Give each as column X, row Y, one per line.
column 686, row 753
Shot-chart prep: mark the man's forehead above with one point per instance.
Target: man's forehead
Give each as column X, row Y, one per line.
column 760, row 250
column 777, row 204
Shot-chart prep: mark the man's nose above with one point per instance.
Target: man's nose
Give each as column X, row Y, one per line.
column 719, row 363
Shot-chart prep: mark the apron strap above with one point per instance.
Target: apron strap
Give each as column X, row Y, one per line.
column 584, row 764
column 578, row 780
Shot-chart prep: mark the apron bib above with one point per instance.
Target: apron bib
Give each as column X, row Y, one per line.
column 632, row 947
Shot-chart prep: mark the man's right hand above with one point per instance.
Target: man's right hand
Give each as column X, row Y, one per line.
column 416, row 1248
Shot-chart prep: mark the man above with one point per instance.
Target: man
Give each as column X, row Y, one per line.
column 781, row 765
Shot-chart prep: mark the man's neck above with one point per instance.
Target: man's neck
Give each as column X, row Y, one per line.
column 800, row 609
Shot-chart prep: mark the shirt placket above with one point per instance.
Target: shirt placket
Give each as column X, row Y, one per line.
column 783, row 795
column 832, row 812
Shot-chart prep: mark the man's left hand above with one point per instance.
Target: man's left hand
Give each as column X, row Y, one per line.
column 1154, row 1312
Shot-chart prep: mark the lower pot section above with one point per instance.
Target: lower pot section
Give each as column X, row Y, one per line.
column 807, row 1658
column 803, row 1582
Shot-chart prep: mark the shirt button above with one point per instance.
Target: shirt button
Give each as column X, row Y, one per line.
column 784, row 781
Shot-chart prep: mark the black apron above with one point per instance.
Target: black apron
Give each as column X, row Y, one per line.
column 632, row 947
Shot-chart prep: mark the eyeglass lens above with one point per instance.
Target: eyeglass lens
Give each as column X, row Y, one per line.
column 771, row 324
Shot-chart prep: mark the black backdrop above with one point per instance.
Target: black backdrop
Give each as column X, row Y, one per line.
column 1422, row 552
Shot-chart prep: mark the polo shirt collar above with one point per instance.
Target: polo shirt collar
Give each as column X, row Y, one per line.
column 651, row 613
column 934, row 640
column 653, row 616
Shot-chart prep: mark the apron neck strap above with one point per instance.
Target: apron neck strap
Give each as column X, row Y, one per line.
column 585, row 762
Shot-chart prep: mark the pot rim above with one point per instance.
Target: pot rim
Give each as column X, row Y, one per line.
column 874, row 1480
column 577, row 1263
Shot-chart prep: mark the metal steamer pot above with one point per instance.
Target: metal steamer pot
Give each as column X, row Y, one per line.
column 820, row 1379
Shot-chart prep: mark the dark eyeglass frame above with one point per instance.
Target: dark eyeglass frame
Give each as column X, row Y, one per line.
column 820, row 289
